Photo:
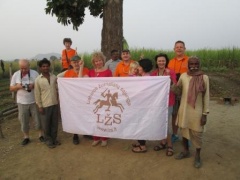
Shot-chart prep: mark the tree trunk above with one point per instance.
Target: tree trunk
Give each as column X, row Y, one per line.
column 112, row 31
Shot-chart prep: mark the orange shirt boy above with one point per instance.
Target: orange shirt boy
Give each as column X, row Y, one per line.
column 67, row 53
column 122, row 69
column 66, row 57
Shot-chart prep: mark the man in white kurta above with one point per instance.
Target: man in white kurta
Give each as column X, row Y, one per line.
column 194, row 107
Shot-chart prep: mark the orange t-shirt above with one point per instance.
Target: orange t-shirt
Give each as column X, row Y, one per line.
column 71, row 73
column 66, row 61
column 179, row 66
column 122, row 70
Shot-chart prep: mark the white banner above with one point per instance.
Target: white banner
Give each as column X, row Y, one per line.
column 126, row 107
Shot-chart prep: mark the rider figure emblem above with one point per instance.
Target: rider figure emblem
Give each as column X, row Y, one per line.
column 111, row 100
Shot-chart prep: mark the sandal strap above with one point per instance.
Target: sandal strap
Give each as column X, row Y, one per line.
column 163, row 145
column 139, row 150
column 169, row 151
column 135, row 145
column 160, row 147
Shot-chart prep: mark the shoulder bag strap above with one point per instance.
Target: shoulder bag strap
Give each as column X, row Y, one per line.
column 67, row 56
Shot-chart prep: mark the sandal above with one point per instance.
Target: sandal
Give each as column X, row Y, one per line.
column 182, row 155
column 169, row 151
column 160, row 147
column 139, row 149
column 135, row 144
column 197, row 162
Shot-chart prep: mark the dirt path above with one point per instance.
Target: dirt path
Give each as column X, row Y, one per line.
column 220, row 155
column 224, row 85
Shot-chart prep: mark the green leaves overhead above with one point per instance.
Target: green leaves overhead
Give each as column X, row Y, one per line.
column 96, row 7
column 73, row 11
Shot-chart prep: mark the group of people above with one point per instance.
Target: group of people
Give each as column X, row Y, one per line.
column 188, row 98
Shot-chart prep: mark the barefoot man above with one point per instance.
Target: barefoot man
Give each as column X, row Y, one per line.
column 193, row 110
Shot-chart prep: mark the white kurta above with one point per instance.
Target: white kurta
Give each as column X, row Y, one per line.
column 189, row 117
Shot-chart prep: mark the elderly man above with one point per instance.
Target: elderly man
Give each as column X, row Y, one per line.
column 194, row 107
column 22, row 82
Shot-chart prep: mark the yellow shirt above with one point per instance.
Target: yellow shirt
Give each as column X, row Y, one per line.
column 46, row 93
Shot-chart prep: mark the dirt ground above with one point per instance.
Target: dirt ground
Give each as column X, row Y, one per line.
column 220, row 155
column 224, row 84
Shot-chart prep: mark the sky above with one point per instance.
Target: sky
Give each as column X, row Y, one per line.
column 26, row 30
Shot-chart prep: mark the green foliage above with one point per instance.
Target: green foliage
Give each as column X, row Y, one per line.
column 218, row 60
column 96, row 8
column 149, row 53
column 73, row 11
column 238, row 69
column 6, row 96
column 125, row 44
column 218, row 69
column 87, row 60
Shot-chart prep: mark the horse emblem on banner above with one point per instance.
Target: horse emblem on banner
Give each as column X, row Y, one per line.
column 109, row 101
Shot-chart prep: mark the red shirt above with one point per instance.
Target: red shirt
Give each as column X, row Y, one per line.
column 171, row 73
column 106, row 73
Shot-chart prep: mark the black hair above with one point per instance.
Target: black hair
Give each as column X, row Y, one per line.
column 126, row 50
column 67, row 40
column 146, row 64
column 44, row 61
column 162, row 55
column 113, row 51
